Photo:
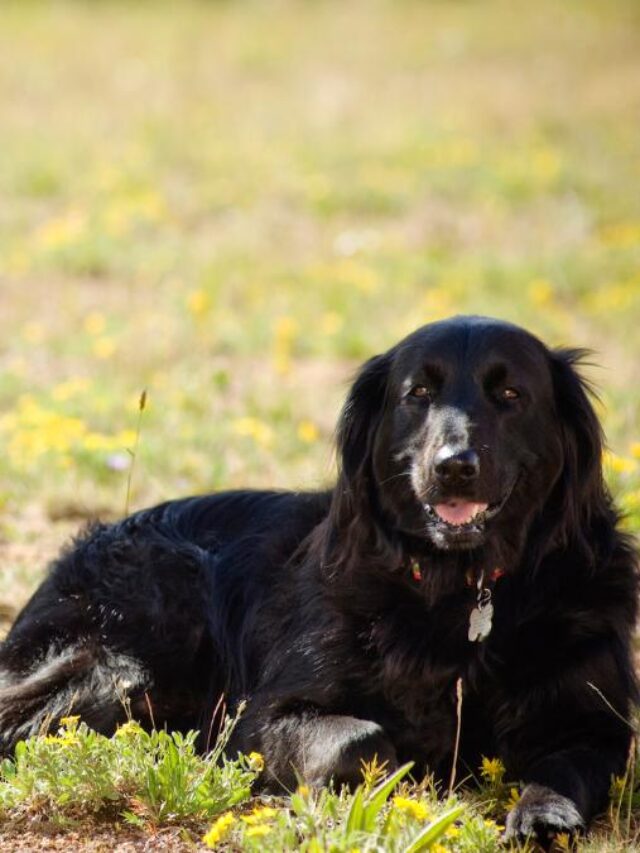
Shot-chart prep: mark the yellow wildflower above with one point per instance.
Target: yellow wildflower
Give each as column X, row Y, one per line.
column 259, row 831
column 68, row 731
column 545, row 165
column 62, row 230
column 514, row 797
column 621, row 234
column 562, row 841
column 96, row 441
column 125, row 438
column 198, row 302
column 94, row 323
column 104, row 347
column 256, row 761
column 219, row 830
column 492, row 770
column 259, row 815
column 307, row 432
column 540, row 292
column 68, row 738
column 619, row 464
column 417, row 810
column 284, row 334
column 613, row 297
column 256, row 429
column 131, row 727
column 303, row 790
column 34, row 431
column 33, row 332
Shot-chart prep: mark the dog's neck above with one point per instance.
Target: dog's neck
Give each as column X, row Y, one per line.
column 418, row 567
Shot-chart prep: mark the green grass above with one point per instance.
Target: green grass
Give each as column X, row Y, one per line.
column 145, row 778
column 233, row 204
column 147, row 781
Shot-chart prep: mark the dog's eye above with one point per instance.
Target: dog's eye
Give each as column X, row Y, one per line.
column 510, row 394
column 420, row 391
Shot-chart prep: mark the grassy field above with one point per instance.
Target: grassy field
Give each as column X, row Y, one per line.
column 233, row 204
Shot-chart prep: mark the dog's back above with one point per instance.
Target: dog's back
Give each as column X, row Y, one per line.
column 146, row 612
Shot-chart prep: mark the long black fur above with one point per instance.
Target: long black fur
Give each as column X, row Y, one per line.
column 305, row 603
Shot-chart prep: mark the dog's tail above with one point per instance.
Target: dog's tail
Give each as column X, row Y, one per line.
column 77, row 681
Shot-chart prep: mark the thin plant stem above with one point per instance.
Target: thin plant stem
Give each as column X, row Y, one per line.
column 632, row 782
column 133, row 453
column 456, row 748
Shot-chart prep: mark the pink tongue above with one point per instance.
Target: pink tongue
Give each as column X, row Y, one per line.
column 459, row 512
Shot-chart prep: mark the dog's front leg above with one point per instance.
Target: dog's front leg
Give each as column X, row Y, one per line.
column 313, row 747
column 565, row 789
column 567, row 747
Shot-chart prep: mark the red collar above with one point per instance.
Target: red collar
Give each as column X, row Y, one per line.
column 492, row 577
column 416, row 573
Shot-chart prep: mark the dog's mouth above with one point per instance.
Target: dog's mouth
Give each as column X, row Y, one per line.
column 459, row 513
column 461, row 520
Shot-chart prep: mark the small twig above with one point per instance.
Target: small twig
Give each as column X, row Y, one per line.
column 150, row 710
column 456, row 748
column 220, row 703
column 610, row 706
column 133, row 453
column 632, row 782
column 625, row 781
column 72, row 701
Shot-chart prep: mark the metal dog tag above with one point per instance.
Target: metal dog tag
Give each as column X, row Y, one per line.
column 480, row 622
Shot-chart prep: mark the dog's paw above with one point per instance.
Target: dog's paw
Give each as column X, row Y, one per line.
column 541, row 813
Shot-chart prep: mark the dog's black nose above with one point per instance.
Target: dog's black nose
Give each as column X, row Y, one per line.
column 463, row 466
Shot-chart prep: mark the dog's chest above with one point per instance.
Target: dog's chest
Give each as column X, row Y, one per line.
column 419, row 653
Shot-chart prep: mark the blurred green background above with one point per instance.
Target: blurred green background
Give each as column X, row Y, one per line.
column 232, row 204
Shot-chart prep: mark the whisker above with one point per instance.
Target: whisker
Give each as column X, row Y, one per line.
column 394, row 476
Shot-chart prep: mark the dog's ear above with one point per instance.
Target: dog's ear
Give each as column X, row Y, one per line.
column 361, row 415
column 352, row 514
column 582, row 440
column 352, row 517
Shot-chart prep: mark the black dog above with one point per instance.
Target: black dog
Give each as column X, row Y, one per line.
column 470, row 536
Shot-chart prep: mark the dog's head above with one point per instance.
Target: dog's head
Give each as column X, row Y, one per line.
column 467, row 428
